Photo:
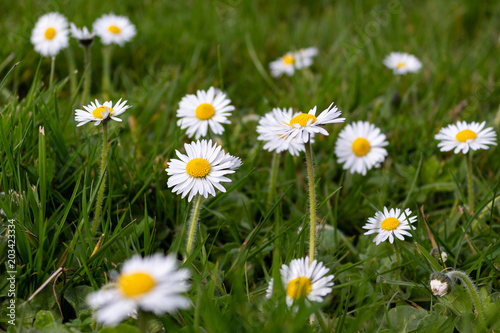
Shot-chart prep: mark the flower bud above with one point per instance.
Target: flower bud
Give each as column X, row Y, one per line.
column 435, row 254
column 440, row 283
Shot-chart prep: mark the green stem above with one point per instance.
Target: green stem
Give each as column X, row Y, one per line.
column 86, row 88
column 398, row 260
column 102, row 175
column 471, row 288
column 106, row 73
column 272, row 183
column 142, row 321
column 312, row 202
column 192, row 225
column 469, row 176
column 52, row 69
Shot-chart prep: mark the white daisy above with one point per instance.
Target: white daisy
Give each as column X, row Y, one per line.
column 463, row 137
column 50, row 34
column 84, row 36
column 99, row 113
column 390, row 223
column 114, row 29
column 202, row 170
column 205, row 109
column 268, row 130
column 360, row 147
column 402, row 63
column 303, row 280
column 441, row 284
column 293, row 60
column 303, row 126
column 152, row 284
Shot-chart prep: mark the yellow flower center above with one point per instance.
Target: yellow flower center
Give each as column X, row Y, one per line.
column 135, row 284
column 465, row 135
column 205, row 111
column 288, row 59
column 400, row 64
column 299, row 287
column 50, row 33
column 390, row 223
column 302, row 119
column 361, row 146
column 198, row 167
column 98, row 112
column 114, row 29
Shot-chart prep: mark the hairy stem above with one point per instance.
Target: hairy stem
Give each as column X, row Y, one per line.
column 52, row 69
column 102, row 175
column 106, row 73
column 272, row 183
column 86, row 88
column 312, row 202
column 469, row 177
column 471, row 288
column 192, row 224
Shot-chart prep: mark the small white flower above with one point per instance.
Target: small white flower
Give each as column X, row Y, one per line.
column 287, row 64
column 202, row 170
column 360, row 147
column 84, row 36
column 269, row 290
column 114, row 29
column 152, row 284
column 390, row 223
column 303, row 280
column 206, row 109
column 268, row 130
column 50, row 34
column 303, row 126
column 98, row 113
column 402, row 63
column 464, row 136
column 439, row 288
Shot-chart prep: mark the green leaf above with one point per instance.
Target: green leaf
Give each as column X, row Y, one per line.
column 44, row 319
column 405, row 318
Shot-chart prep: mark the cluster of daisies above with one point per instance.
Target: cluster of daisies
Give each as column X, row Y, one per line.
column 51, row 32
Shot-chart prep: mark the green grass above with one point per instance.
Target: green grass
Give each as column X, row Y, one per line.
column 54, row 174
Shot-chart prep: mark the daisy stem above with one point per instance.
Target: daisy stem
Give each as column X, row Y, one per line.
column 142, row 321
column 312, row 202
column 192, row 225
column 469, row 176
column 106, row 73
column 398, row 260
column 102, row 175
column 86, row 88
column 471, row 288
column 52, row 69
column 272, row 183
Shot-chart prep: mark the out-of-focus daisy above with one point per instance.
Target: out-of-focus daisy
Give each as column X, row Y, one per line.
column 268, row 130
column 114, row 29
column 402, row 63
column 302, row 280
column 98, row 113
column 152, row 284
column 83, row 35
column 390, row 223
column 293, row 60
column 202, row 170
column 303, row 126
column 50, row 34
column 360, row 147
column 205, row 109
column 463, row 136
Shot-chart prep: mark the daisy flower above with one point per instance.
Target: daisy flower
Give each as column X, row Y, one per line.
column 360, row 147
column 205, row 109
column 50, row 34
column 303, row 126
column 98, row 113
column 293, row 60
column 274, row 141
column 84, row 36
column 303, row 280
column 152, row 284
column 402, row 63
column 114, row 29
column 441, row 284
column 202, row 170
column 390, row 223
column 463, row 136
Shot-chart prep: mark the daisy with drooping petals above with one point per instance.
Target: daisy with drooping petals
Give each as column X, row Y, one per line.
column 98, row 113
column 153, row 284
column 304, row 280
column 463, row 136
column 402, row 63
column 293, row 60
column 360, row 147
column 50, row 34
column 83, row 35
column 206, row 109
column 390, row 223
column 114, row 29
